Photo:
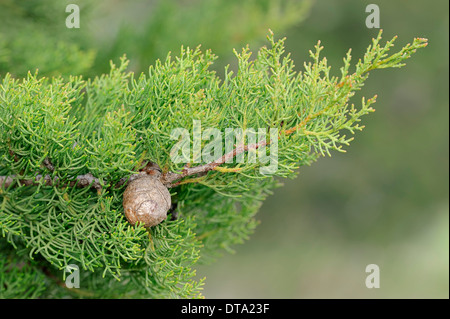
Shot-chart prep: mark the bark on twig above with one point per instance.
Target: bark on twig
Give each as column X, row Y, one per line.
column 48, row 164
column 168, row 179
column 80, row 181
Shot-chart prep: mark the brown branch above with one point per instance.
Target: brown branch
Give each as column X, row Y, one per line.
column 48, row 165
column 303, row 123
column 86, row 180
column 169, row 178
column 80, row 181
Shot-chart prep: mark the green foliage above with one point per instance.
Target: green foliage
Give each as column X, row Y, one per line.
column 109, row 125
column 29, row 27
column 18, row 277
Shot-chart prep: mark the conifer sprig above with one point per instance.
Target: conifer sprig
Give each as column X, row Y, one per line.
column 54, row 131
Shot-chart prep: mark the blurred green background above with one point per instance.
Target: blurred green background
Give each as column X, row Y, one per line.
column 383, row 202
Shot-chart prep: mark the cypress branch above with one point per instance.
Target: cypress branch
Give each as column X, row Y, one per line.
column 168, row 179
column 86, row 180
column 103, row 132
